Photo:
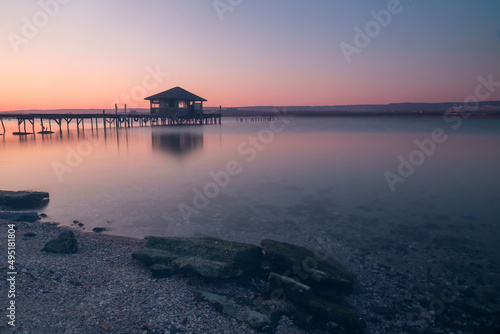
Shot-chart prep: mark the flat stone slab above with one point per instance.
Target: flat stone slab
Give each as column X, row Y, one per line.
column 316, row 287
column 233, row 309
column 206, row 257
column 19, row 216
column 154, row 256
column 296, row 261
column 23, row 199
column 293, row 289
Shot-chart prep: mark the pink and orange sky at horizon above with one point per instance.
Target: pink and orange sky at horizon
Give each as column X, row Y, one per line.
column 92, row 54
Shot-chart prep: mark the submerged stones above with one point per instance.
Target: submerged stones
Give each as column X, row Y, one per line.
column 245, row 313
column 326, row 310
column 303, row 263
column 316, row 286
column 65, row 243
column 23, row 199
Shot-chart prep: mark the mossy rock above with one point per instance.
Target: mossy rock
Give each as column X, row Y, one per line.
column 206, row 257
column 205, row 268
column 242, row 258
column 23, row 199
column 161, row 270
column 294, row 290
column 65, row 243
column 19, row 216
column 344, row 316
column 233, row 309
column 300, row 262
column 151, row 256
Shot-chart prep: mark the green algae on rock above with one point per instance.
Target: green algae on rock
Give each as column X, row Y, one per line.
column 206, row 257
column 317, row 292
column 315, row 272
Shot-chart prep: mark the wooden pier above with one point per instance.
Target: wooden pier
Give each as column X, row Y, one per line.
column 26, row 122
column 241, row 119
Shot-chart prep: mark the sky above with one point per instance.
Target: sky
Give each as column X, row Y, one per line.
column 58, row 54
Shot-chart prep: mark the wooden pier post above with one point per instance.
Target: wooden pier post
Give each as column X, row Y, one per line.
column 58, row 122
column 32, row 121
column 3, row 126
column 68, row 120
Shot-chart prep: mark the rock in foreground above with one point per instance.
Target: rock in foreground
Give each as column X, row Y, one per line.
column 287, row 258
column 19, row 216
column 316, row 287
column 233, row 309
column 65, row 243
column 342, row 315
column 206, row 257
column 23, row 199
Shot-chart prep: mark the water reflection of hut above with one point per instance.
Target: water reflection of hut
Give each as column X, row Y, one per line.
column 178, row 143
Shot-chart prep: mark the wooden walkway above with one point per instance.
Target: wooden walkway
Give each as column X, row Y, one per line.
column 241, row 119
column 26, row 122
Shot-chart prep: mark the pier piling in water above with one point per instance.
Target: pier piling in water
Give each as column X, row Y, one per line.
column 119, row 120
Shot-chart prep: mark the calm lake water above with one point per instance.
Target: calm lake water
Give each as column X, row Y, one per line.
column 318, row 182
column 290, row 178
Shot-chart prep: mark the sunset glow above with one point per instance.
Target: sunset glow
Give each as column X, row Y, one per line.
column 92, row 54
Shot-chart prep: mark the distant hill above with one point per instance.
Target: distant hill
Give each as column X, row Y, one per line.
column 491, row 107
column 485, row 108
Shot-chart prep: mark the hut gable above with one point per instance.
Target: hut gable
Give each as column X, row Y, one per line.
column 175, row 102
column 176, row 93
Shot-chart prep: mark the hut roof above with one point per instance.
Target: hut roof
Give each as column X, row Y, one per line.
column 176, row 93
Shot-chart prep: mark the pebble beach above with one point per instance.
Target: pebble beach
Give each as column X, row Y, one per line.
column 101, row 289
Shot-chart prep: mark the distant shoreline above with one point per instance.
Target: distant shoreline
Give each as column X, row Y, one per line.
column 351, row 114
column 481, row 109
column 256, row 114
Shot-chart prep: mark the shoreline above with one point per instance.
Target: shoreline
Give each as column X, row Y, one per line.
column 101, row 289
